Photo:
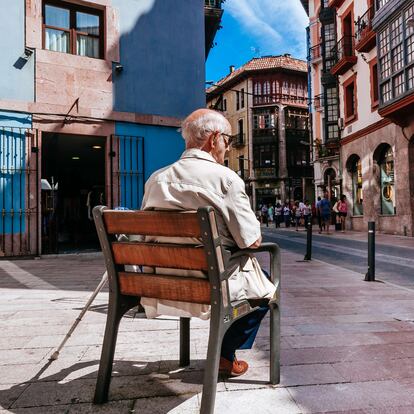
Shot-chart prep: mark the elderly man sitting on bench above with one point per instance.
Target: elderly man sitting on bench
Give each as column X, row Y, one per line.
column 199, row 179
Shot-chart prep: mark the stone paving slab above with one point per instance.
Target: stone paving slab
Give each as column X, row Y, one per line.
column 347, row 347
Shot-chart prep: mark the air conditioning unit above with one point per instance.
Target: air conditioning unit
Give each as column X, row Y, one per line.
column 341, row 123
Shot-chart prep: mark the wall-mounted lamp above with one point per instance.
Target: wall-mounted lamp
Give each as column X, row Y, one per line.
column 28, row 52
column 117, row 67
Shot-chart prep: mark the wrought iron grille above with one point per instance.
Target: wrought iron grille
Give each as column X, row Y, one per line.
column 19, row 196
column 364, row 24
column 344, row 48
column 127, row 171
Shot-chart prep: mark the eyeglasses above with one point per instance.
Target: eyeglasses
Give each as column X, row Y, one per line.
column 228, row 139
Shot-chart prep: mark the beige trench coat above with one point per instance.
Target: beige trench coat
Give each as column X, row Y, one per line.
column 197, row 180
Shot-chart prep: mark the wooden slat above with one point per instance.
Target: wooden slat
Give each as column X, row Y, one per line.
column 182, row 289
column 153, row 223
column 160, row 255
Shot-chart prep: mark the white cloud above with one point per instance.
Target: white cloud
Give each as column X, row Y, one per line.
column 278, row 26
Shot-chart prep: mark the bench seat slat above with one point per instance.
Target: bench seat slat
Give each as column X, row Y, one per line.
column 160, row 255
column 150, row 285
column 152, row 223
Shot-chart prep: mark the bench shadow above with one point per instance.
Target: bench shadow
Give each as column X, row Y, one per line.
column 131, row 380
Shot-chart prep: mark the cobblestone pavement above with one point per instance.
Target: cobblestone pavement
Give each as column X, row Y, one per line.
column 347, row 346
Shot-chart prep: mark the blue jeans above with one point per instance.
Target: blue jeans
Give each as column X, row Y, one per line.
column 242, row 333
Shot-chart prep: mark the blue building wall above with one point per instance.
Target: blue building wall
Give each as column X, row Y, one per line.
column 16, row 74
column 12, row 175
column 162, row 53
column 161, row 146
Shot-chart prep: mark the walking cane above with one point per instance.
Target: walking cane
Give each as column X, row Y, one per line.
column 104, row 279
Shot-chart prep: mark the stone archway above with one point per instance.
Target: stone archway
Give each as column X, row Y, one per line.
column 330, row 182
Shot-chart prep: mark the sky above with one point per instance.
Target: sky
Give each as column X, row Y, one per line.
column 253, row 28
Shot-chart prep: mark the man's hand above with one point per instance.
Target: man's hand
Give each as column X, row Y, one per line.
column 256, row 244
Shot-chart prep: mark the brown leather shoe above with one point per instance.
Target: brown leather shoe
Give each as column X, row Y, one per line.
column 233, row 369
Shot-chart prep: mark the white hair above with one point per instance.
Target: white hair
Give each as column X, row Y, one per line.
column 196, row 131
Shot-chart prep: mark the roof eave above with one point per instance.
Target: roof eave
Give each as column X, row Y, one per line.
column 245, row 74
column 305, row 4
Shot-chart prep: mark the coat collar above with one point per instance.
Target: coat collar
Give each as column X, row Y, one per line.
column 197, row 153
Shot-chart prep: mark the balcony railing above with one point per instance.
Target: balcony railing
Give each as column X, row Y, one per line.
column 212, row 17
column 315, row 53
column 318, row 102
column 328, row 150
column 216, row 4
column 344, row 55
column 265, row 172
column 265, row 132
column 239, row 140
column 279, row 97
column 365, row 38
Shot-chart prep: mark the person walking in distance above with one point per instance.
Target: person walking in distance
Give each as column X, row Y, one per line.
column 307, row 213
column 325, row 211
column 286, row 215
column 297, row 212
column 270, row 213
column 342, row 211
column 278, row 215
column 265, row 218
column 318, row 214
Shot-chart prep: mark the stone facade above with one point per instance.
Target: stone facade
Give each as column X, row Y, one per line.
column 365, row 148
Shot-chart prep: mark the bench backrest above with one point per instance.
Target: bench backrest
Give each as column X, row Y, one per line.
column 207, row 257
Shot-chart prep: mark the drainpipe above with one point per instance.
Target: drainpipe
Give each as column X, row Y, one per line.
column 282, row 152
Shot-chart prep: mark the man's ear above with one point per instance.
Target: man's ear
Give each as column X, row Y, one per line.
column 209, row 144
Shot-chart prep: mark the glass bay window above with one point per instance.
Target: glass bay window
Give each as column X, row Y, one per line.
column 396, row 57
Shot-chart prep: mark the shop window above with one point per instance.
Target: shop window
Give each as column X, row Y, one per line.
column 70, row 28
column 354, row 167
column 385, row 160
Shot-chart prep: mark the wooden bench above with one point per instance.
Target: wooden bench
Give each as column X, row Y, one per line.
column 210, row 257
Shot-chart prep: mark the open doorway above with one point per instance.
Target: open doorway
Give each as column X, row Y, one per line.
column 73, row 182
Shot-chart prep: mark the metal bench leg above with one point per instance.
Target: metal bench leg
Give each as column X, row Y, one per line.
column 115, row 313
column 184, row 342
column 274, row 344
column 212, row 364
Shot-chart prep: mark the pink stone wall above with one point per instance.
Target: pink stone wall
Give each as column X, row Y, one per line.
column 62, row 78
column 364, row 147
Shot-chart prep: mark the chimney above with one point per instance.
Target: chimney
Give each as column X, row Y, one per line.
column 287, row 55
column 231, row 67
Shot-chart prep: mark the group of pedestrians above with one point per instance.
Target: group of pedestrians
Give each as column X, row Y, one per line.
column 291, row 214
column 299, row 213
column 326, row 212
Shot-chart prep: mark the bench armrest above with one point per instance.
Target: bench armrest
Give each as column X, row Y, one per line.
column 274, row 252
